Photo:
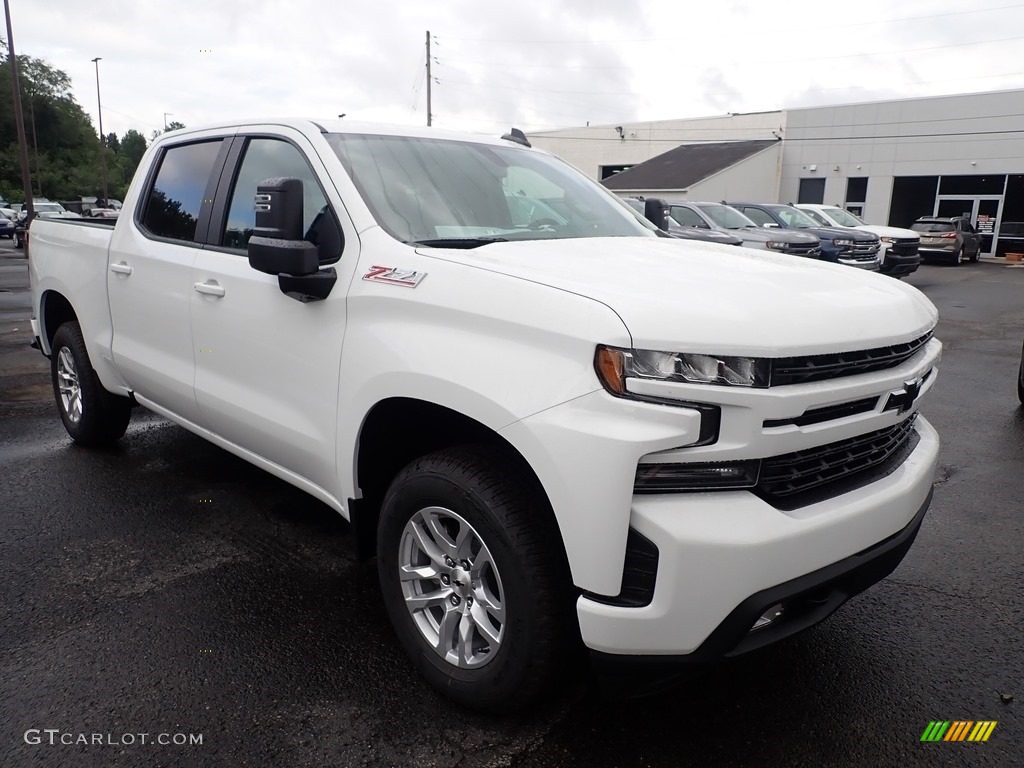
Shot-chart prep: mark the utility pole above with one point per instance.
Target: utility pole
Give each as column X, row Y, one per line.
column 428, row 78
column 165, row 119
column 19, row 118
column 103, row 144
column 35, row 143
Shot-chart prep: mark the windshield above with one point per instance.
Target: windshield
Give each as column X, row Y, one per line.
column 932, row 226
column 49, row 208
column 794, row 218
column 443, row 192
column 726, row 216
column 843, row 218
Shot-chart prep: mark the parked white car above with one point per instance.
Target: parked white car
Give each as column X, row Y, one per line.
column 545, row 421
column 899, row 246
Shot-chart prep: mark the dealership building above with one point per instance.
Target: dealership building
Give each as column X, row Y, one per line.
column 889, row 161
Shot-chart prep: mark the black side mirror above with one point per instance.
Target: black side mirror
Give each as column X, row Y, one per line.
column 656, row 212
column 277, row 246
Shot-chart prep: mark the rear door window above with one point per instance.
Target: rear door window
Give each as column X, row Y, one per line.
column 178, row 192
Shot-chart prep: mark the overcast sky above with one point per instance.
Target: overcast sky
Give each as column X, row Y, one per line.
column 535, row 64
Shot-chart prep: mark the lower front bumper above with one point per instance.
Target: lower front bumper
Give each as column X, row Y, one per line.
column 805, row 601
column 899, row 266
column 724, row 558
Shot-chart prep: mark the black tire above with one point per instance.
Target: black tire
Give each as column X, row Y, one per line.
column 91, row 415
column 959, row 258
column 17, row 240
column 516, row 529
column 977, row 256
column 1020, row 379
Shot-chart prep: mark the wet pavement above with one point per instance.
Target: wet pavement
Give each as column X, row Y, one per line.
column 169, row 588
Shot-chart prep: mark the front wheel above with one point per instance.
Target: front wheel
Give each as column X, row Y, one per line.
column 472, row 574
column 1020, row 380
column 17, row 240
column 91, row 415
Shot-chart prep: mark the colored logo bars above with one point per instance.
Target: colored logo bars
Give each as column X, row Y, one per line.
column 958, row 730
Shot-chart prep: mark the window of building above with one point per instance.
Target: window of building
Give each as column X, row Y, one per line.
column 856, row 194
column 607, row 171
column 972, row 185
column 811, row 191
column 912, row 198
column 268, row 158
column 174, row 202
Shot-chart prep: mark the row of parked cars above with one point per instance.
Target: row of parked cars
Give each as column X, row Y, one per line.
column 826, row 232
column 14, row 219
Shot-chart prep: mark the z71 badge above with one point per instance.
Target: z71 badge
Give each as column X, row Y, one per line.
column 410, row 278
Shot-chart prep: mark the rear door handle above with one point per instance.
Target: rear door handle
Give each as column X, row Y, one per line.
column 210, row 288
column 120, row 268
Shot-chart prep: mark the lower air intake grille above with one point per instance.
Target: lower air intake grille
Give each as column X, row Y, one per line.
column 804, row 477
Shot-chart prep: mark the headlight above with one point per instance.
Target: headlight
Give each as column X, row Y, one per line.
column 776, row 246
column 716, row 475
column 614, row 366
column 887, row 239
column 843, row 243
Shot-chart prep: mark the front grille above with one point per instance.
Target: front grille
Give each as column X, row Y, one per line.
column 803, row 477
column 803, row 250
column 866, row 248
column 798, row 370
column 905, row 247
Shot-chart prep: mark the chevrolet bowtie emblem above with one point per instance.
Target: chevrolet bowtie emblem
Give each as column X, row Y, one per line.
column 903, row 401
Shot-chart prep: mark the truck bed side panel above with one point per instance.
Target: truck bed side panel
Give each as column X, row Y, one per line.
column 69, row 258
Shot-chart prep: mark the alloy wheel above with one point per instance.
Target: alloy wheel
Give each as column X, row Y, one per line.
column 67, row 382
column 452, row 587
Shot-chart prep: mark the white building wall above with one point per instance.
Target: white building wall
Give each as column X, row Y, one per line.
column 591, row 147
column 934, row 136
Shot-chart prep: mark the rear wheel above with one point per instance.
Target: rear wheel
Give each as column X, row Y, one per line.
column 959, row 258
column 91, row 415
column 473, row 578
column 17, row 240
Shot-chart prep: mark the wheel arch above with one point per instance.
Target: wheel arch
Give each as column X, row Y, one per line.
column 398, row 430
column 54, row 310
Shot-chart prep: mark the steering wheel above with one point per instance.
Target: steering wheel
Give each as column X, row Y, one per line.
column 540, row 223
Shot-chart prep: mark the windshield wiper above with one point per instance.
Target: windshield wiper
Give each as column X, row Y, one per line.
column 458, row 242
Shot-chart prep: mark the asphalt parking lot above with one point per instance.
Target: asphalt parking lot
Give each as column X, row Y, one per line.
column 168, row 588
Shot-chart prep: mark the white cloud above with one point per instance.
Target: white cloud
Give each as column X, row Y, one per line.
column 533, row 63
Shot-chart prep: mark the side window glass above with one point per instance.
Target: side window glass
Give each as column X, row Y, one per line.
column 268, row 158
column 172, row 208
column 758, row 216
column 687, row 218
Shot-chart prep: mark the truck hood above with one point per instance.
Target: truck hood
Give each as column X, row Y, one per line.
column 842, row 233
column 774, row 234
column 897, row 232
column 676, row 295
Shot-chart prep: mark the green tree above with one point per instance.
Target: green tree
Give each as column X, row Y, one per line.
column 133, row 147
column 58, row 130
column 113, row 144
column 171, row 126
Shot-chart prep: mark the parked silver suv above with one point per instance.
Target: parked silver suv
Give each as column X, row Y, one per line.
column 725, row 218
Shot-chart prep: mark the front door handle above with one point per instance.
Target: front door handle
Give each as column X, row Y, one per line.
column 210, row 288
column 120, row 268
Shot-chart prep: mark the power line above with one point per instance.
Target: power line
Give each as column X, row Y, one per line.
column 676, row 40
column 801, row 59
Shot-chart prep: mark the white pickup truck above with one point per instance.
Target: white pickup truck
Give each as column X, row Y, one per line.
column 546, row 422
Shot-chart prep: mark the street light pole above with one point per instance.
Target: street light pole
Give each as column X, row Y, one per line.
column 165, row 118
column 19, row 118
column 103, row 144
